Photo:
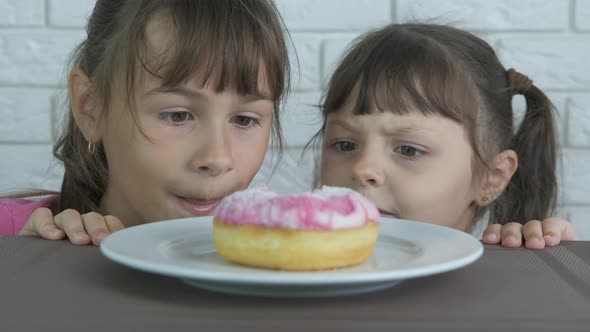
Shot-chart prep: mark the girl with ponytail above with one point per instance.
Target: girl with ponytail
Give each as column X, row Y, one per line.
column 418, row 117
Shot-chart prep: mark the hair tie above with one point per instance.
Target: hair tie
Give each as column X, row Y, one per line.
column 519, row 84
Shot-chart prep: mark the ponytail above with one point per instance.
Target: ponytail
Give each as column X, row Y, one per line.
column 532, row 191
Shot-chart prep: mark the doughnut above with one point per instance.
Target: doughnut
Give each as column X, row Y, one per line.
column 326, row 228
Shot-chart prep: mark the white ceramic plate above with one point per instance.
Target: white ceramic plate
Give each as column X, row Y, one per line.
column 184, row 248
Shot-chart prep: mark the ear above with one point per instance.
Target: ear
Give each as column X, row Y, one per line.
column 83, row 105
column 497, row 177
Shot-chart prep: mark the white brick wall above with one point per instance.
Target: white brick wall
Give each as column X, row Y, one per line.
column 335, row 15
column 582, row 13
column 69, row 13
column 305, row 49
column 547, row 40
column 23, row 13
column 28, row 166
column 484, row 15
column 579, row 122
column 334, row 48
column 26, row 115
column 555, row 63
column 35, row 57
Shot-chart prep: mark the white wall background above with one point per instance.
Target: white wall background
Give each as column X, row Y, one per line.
column 547, row 40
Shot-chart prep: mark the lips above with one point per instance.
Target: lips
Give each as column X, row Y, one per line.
column 199, row 207
column 387, row 214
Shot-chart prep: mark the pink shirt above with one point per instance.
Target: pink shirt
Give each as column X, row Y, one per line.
column 14, row 213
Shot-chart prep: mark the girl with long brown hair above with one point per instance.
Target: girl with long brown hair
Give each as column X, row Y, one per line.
column 172, row 105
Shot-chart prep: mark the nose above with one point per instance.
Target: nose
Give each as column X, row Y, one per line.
column 215, row 156
column 368, row 172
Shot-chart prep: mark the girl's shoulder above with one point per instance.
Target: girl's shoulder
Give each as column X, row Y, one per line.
column 15, row 212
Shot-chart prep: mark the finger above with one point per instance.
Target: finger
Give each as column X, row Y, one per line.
column 71, row 222
column 511, row 235
column 532, row 232
column 556, row 229
column 569, row 234
column 492, row 234
column 114, row 224
column 41, row 223
column 95, row 226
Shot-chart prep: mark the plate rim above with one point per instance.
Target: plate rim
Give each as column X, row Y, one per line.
column 278, row 278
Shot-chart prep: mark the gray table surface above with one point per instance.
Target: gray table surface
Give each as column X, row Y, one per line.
column 56, row 286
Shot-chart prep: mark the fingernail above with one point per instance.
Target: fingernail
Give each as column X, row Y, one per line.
column 81, row 236
column 535, row 239
column 101, row 235
column 550, row 238
column 491, row 237
column 512, row 238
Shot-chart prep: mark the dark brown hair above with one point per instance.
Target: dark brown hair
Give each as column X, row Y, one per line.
column 231, row 39
column 437, row 69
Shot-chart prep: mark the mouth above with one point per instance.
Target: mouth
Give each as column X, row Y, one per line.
column 199, row 207
column 388, row 214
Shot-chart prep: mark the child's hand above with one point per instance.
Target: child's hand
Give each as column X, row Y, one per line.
column 536, row 234
column 80, row 229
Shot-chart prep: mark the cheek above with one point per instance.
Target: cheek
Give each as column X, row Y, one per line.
column 436, row 200
column 249, row 153
column 156, row 158
column 163, row 156
column 148, row 164
column 332, row 172
column 325, row 178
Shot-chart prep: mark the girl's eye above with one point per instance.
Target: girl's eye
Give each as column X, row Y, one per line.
column 176, row 117
column 409, row 151
column 245, row 121
column 344, row 146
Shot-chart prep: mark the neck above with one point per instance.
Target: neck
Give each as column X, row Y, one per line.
column 467, row 221
column 114, row 203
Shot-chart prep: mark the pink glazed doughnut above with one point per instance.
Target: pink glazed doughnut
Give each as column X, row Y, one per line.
column 324, row 229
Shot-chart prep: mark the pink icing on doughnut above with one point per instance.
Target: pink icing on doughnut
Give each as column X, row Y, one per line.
column 322, row 209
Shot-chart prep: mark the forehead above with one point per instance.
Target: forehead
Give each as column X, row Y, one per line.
column 392, row 124
column 160, row 53
column 376, row 100
column 196, row 81
column 159, row 35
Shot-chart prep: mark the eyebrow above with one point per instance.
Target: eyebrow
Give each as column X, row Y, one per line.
column 193, row 94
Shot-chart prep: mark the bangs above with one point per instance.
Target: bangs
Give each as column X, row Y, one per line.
column 221, row 39
column 401, row 72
